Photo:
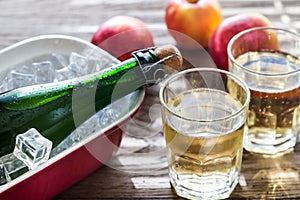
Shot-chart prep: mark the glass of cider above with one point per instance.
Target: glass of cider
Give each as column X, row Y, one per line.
column 203, row 113
column 267, row 59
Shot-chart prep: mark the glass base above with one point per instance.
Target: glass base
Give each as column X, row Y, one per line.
column 214, row 186
column 254, row 142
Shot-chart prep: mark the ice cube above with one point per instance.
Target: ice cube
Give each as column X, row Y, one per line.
column 78, row 63
column 107, row 115
column 32, row 148
column 65, row 74
column 78, row 70
column 68, row 142
column 101, row 119
column 16, row 79
column 2, row 89
column 86, row 65
column 59, row 61
column 4, row 177
column 88, row 127
column 44, row 72
column 81, row 132
column 98, row 61
column 13, row 166
column 24, row 69
column 103, row 63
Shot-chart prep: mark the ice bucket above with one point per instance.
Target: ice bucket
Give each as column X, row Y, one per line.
column 65, row 168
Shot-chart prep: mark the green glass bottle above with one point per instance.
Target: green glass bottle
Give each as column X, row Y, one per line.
column 49, row 107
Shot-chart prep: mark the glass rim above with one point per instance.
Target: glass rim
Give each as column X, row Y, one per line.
column 205, row 69
column 236, row 36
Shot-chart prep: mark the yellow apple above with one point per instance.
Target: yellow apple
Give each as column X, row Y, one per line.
column 196, row 19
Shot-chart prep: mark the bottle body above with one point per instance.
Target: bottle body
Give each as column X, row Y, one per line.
column 50, row 108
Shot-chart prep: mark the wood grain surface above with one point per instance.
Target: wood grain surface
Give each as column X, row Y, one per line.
column 139, row 170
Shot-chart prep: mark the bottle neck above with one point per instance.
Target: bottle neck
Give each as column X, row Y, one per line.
column 150, row 66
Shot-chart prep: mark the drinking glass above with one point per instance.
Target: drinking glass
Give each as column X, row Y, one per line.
column 203, row 112
column 267, row 59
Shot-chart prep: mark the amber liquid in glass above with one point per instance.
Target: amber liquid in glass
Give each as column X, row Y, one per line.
column 274, row 106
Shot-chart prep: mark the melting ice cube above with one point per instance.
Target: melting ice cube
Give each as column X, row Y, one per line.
column 32, row 148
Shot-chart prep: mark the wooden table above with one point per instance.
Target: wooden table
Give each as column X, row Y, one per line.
column 139, row 170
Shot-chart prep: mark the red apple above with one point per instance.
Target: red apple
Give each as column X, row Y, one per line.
column 227, row 29
column 121, row 35
column 254, row 39
column 196, row 19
